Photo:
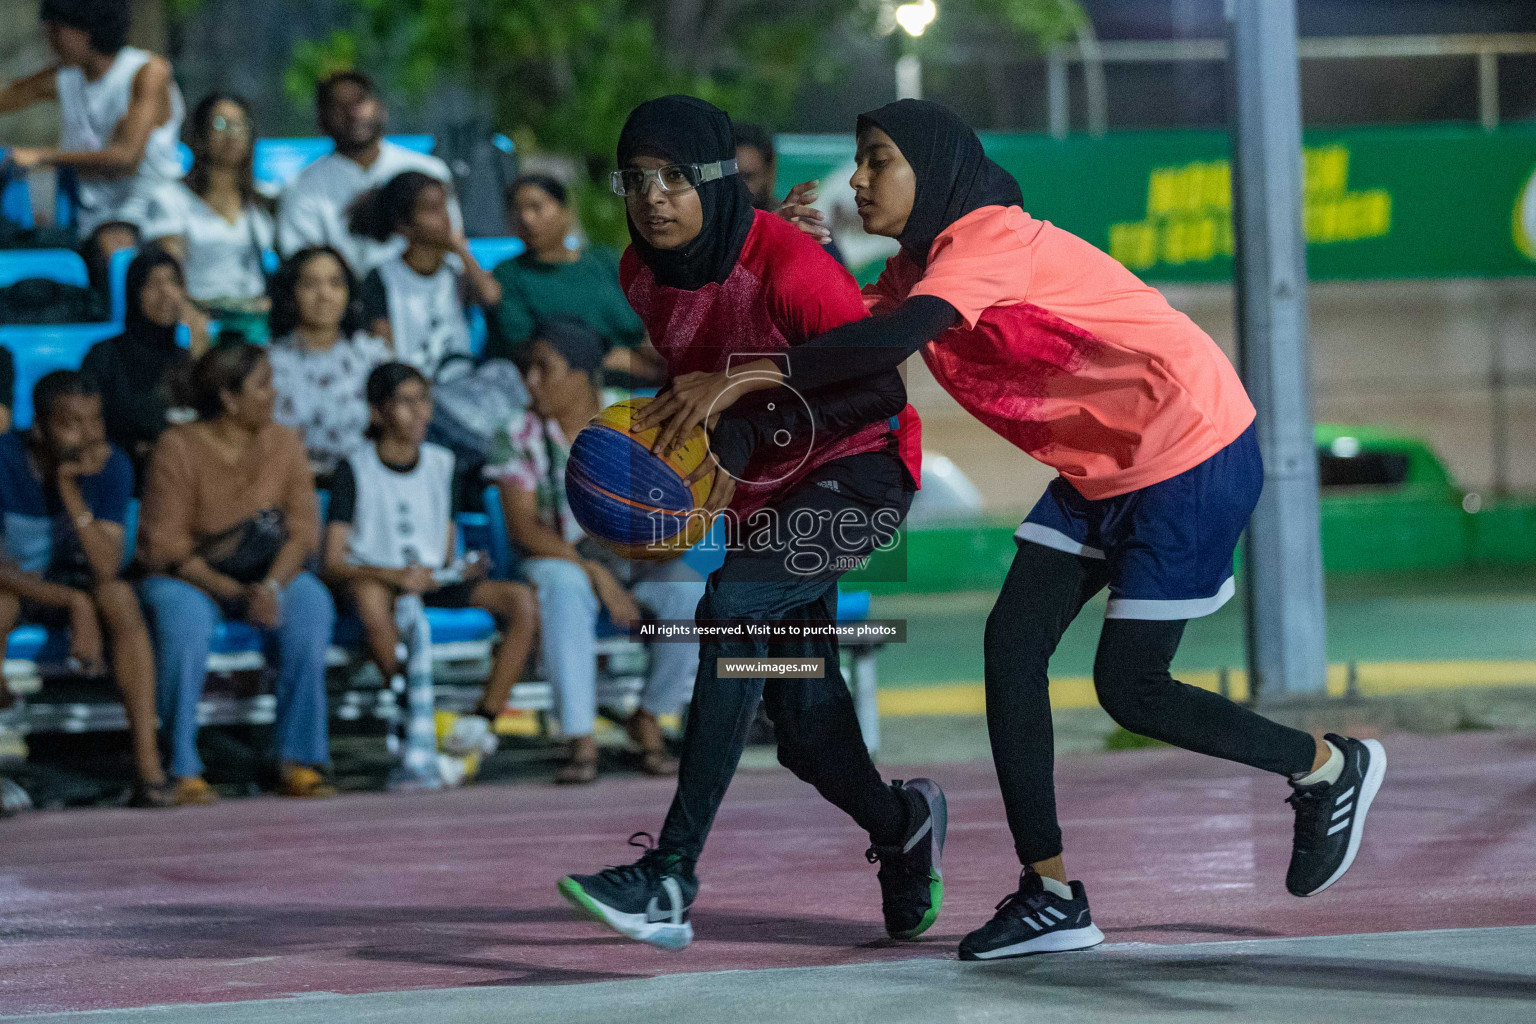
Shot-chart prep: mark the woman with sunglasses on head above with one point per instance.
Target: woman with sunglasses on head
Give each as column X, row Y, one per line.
column 1060, row 349
column 215, row 221
column 713, row 280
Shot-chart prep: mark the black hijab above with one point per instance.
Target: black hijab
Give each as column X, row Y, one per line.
column 954, row 176
column 138, row 329
column 686, row 130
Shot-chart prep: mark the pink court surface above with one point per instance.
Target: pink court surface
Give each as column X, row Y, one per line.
column 266, row 899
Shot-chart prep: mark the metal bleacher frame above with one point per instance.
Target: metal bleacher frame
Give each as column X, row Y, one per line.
column 356, row 693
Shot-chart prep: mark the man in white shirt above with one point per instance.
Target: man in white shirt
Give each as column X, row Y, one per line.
column 314, row 207
column 119, row 107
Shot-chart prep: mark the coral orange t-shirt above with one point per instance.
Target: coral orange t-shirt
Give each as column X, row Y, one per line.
column 1068, row 354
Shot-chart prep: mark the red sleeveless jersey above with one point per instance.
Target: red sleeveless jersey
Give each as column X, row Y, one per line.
column 784, row 290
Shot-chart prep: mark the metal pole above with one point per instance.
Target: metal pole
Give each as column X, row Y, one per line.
column 909, row 77
column 1286, row 653
column 1488, row 89
column 1095, row 91
column 1058, row 95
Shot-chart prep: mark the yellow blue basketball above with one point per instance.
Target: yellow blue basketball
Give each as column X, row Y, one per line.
column 635, row 502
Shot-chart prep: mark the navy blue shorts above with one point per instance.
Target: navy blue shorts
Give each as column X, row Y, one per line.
column 1169, row 546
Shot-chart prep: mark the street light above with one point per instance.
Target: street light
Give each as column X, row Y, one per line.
column 914, row 18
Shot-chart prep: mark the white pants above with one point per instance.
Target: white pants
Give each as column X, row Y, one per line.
column 568, row 614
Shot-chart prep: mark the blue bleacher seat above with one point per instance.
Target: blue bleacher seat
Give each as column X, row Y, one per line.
column 117, row 283
column 235, row 638
column 489, row 252
column 66, row 194
column 498, row 541
column 29, row 643
column 130, row 531
column 276, row 162
column 38, row 350
column 479, row 331
column 62, row 265
column 15, row 195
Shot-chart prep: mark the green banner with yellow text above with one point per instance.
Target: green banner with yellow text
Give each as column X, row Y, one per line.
column 1421, row 201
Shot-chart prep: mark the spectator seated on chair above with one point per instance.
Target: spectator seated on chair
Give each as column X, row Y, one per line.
column 142, row 372
column 64, row 496
column 576, row 577
column 390, row 535
column 97, row 249
column 417, row 301
column 314, row 209
column 321, row 356
column 229, row 521
column 216, row 222
column 551, row 279
column 119, row 108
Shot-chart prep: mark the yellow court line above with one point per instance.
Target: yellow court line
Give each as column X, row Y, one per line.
column 1374, row 679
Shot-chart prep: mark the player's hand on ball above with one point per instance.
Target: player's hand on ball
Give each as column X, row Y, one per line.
column 684, row 405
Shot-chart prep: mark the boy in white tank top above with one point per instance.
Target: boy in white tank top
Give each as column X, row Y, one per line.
column 389, row 543
column 120, row 108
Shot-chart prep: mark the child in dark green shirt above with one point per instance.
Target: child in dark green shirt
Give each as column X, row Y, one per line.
column 551, row 281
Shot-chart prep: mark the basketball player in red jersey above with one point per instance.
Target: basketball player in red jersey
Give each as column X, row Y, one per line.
column 810, row 487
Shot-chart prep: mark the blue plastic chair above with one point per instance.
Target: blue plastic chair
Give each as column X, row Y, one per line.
column 491, row 252
column 497, row 540
column 39, row 350
column 276, row 162
column 62, row 265
column 15, row 194
column 117, row 283
column 479, row 331
column 130, row 531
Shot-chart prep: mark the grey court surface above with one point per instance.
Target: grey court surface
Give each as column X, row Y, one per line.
column 1468, row 976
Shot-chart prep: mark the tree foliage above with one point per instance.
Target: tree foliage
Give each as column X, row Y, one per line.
column 561, row 75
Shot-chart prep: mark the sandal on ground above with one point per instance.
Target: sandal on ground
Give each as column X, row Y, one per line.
column 658, row 763
column 304, row 783
column 192, row 791
column 645, row 731
column 577, row 772
column 580, row 765
column 155, row 794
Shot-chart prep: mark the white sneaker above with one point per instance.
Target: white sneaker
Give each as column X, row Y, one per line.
column 471, row 734
column 407, row 780
column 455, row 771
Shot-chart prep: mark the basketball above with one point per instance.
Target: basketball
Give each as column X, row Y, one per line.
column 634, row 502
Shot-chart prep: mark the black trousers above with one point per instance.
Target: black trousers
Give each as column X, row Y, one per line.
column 813, row 719
column 1043, row 593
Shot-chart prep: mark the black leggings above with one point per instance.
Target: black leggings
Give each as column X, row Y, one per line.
column 813, row 719
column 1044, row 592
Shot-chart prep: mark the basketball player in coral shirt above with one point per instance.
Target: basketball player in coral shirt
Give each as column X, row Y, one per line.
column 1060, row 349
column 832, row 475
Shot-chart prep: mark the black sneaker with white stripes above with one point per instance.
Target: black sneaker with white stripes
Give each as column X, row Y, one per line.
column 1330, row 817
column 911, row 873
column 647, row 900
column 1033, row 920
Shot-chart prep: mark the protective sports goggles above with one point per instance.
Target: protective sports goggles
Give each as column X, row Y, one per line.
column 633, row 181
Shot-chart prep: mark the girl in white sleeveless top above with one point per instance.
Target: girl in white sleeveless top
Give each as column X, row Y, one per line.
column 120, row 109
column 417, row 300
column 90, row 112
